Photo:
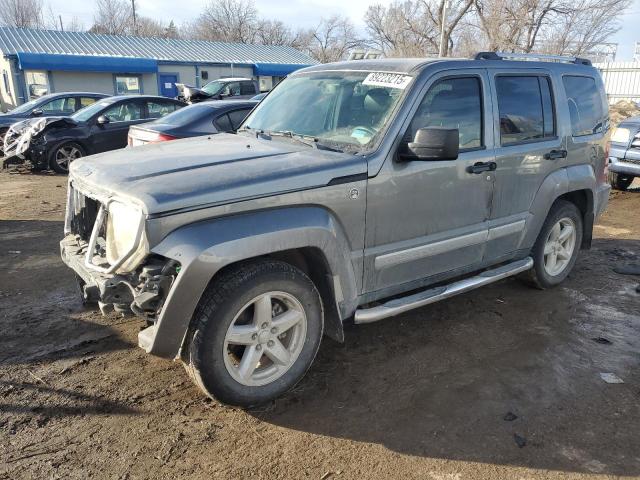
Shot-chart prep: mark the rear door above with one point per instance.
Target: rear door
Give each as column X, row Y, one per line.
column 528, row 148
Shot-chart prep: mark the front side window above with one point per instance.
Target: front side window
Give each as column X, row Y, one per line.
column 526, row 109
column 349, row 110
column 585, row 105
column 127, row 85
column 160, row 109
column 124, row 112
column 452, row 103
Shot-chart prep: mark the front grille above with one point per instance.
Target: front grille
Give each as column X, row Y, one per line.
column 82, row 216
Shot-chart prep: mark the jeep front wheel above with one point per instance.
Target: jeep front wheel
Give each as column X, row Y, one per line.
column 255, row 333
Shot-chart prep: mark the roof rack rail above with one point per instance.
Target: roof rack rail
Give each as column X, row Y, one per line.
column 531, row 56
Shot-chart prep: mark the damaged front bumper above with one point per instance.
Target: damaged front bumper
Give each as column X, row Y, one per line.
column 142, row 292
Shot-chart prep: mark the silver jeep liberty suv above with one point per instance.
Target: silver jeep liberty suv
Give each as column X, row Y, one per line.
column 354, row 191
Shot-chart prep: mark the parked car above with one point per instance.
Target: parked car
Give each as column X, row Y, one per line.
column 199, row 119
column 218, row 90
column 354, row 190
column 624, row 153
column 260, row 96
column 55, row 104
column 55, row 142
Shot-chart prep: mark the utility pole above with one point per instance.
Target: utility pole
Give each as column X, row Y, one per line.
column 443, row 26
column 61, row 26
column 133, row 10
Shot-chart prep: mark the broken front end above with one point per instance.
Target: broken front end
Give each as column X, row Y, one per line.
column 105, row 244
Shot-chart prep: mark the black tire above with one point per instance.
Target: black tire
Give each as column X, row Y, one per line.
column 220, row 304
column 53, row 154
column 538, row 275
column 619, row 181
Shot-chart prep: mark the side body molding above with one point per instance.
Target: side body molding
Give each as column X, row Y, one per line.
column 203, row 248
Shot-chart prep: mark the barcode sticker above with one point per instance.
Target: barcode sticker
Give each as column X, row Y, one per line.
column 389, row 80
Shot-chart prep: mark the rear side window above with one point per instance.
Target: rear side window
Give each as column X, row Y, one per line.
column 158, row 109
column 238, row 116
column 86, row 101
column 223, row 124
column 526, row 111
column 247, row 88
column 585, row 105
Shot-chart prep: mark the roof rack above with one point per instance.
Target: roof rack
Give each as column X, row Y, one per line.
column 531, row 57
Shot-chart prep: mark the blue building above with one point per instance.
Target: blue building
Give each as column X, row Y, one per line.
column 35, row 62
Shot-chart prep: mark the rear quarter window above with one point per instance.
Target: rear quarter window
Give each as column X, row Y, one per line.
column 585, row 105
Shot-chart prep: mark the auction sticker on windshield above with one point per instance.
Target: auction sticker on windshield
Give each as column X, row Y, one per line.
column 389, row 80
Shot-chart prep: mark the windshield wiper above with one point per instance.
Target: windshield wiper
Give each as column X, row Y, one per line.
column 304, row 139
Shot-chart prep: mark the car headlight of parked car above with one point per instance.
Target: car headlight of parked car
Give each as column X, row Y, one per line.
column 125, row 236
column 621, row 135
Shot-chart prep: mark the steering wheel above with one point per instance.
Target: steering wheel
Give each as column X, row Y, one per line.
column 362, row 128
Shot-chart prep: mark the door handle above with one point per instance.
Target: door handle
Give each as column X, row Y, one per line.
column 480, row 167
column 555, row 154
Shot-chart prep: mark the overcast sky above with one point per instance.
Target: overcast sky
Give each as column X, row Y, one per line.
column 304, row 13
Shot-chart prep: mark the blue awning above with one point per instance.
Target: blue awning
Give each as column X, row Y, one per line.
column 85, row 63
column 276, row 69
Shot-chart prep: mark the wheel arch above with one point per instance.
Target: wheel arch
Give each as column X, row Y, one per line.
column 306, row 237
column 575, row 184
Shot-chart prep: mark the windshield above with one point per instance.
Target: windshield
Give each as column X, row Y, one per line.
column 86, row 113
column 213, row 88
column 26, row 107
column 350, row 109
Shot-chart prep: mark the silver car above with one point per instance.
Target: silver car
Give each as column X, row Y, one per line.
column 353, row 191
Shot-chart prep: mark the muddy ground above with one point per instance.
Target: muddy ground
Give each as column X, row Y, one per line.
column 502, row 383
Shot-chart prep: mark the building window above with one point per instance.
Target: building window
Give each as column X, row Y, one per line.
column 128, row 84
column 204, row 75
column 37, row 83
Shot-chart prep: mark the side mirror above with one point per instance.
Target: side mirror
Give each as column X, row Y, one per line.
column 433, row 144
column 36, row 112
column 102, row 120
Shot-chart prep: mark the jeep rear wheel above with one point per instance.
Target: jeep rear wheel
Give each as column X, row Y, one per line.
column 619, row 181
column 255, row 333
column 556, row 249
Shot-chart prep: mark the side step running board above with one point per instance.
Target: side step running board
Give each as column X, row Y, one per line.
column 404, row 304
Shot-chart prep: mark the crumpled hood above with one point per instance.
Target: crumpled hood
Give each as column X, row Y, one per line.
column 18, row 138
column 208, row 171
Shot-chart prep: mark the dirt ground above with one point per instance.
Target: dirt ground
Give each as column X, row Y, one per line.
column 501, row 383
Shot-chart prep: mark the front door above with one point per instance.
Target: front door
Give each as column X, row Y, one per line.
column 168, row 84
column 113, row 135
column 426, row 218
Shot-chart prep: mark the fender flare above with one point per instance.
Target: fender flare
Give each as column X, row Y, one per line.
column 556, row 184
column 203, row 248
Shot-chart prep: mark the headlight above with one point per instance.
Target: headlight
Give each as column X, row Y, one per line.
column 621, row 135
column 125, row 236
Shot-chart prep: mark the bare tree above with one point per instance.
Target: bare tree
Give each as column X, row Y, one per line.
column 332, row 39
column 229, row 21
column 274, row 32
column 413, row 27
column 21, row 13
column 113, row 17
column 550, row 26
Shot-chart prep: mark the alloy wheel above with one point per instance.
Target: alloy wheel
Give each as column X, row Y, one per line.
column 559, row 247
column 265, row 338
column 65, row 155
